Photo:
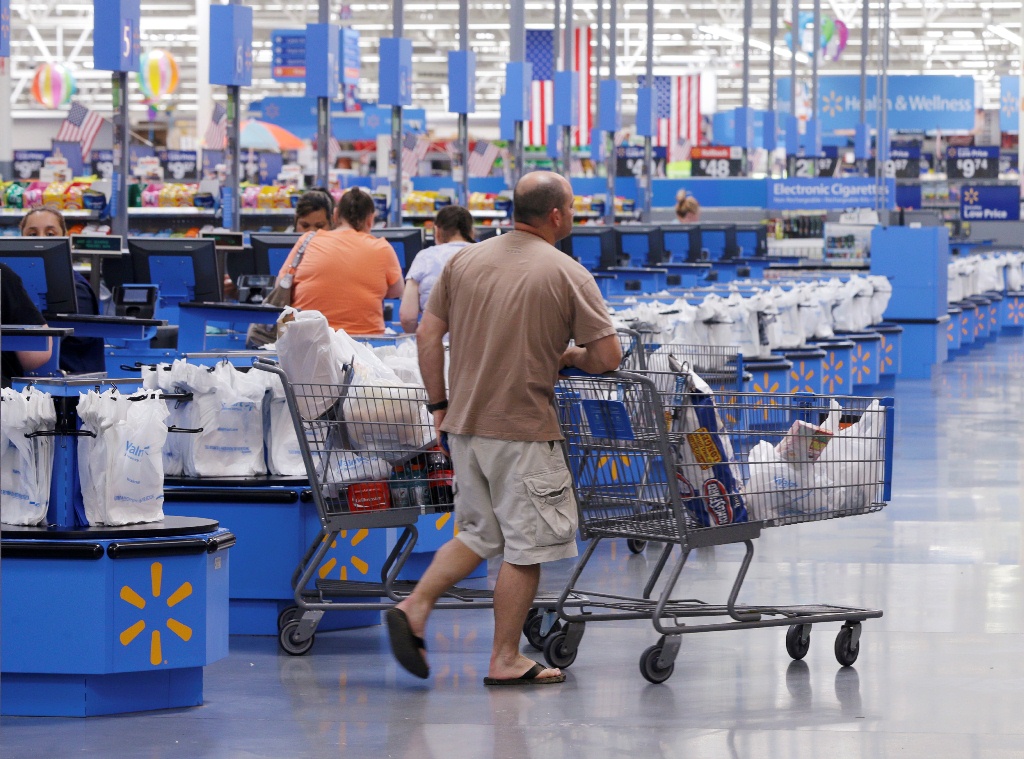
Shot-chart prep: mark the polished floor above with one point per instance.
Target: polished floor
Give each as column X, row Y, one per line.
column 940, row 675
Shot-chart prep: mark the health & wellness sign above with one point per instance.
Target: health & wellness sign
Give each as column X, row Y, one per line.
column 827, row 194
column 915, row 102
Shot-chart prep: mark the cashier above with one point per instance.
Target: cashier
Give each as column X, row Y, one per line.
column 78, row 355
column 16, row 307
column 687, row 208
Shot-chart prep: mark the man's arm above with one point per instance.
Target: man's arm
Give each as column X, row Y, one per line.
column 599, row 356
column 430, row 348
column 31, row 360
column 409, row 311
column 395, row 289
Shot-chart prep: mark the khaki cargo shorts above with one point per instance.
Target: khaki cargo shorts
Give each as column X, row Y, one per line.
column 514, row 498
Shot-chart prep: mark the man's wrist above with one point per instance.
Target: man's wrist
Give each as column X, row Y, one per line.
column 439, row 406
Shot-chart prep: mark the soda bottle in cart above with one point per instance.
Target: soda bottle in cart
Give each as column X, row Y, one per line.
column 439, row 477
column 419, row 495
column 400, row 495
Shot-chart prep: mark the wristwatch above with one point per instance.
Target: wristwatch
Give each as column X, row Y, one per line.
column 439, row 406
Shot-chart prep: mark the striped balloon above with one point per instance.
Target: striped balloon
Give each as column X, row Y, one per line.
column 158, row 74
column 53, row 85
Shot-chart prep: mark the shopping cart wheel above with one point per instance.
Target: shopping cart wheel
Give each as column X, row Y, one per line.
column 532, row 628
column 556, row 653
column 847, row 649
column 649, row 668
column 797, row 642
column 287, row 615
column 289, row 640
column 636, row 546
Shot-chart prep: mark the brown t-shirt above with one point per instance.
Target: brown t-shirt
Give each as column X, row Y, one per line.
column 512, row 303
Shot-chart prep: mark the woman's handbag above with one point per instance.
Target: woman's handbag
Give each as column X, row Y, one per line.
column 259, row 335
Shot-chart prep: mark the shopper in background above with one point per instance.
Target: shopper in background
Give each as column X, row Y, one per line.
column 687, row 208
column 78, row 355
column 346, row 273
column 16, row 307
column 510, row 305
column 314, row 211
column 453, row 231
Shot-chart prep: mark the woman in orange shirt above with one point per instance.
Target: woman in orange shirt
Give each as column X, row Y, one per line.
column 346, row 273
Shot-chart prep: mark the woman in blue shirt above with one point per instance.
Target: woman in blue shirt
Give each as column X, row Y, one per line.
column 453, row 230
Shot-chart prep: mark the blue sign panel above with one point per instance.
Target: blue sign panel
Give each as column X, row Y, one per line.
column 5, row 28
column 989, row 203
column 211, row 158
column 72, row 153
column 1009, row 104
column 506, row 125
column 915, row 102
column 231, row 45
column 826, row 194
column 322, row 60
column 461, row 81
column 908, row 195
column 645, row 122
column 27, row 163
column 609, row 117
column 566, row 98
column 350, row 62
column 395, row 71
column 517, row 90
column 115, row 37
column 288, row 56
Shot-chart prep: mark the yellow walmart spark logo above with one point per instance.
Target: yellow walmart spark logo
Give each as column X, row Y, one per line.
column 130, row 596
column 832, row 103
column 1016, row 311
column 830, row 372
column 765, row 385
column 802, row 376
column 357, row 563
column 859, row 364
column 970, row 195
column 612, row 464
column 887, row 355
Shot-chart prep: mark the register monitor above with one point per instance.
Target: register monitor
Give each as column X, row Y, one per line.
column 407, row 242
column 184, row 269
column 640, row 245
column 682, row 243
column 268, row 254
column 44, row 265
column 719, row 240
column 752, row 239
column 594, row 247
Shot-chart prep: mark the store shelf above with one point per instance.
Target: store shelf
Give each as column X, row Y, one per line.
column 17, row 213
column 476, row 215
column 188, row 211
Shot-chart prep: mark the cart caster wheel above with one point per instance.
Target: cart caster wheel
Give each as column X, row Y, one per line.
column 287, row 615
column 289, row 641
column 794, row 646
column 555, row 652
column 649, row 666
column 532, row 628
column 635, row 545
column 846, row 650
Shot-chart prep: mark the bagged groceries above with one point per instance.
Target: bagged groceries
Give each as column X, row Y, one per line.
column 708, row 480
column 26, row 463
column 121, row 464
column 856, row 455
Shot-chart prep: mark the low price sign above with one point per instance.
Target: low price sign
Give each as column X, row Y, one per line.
column 629, row 161
column 972, row 163
column 903, row 163
column 988, row 203
column 717, row 162
column 179, row 164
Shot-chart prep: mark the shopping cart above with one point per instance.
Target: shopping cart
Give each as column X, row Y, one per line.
column 669, row 467
column 371, row 461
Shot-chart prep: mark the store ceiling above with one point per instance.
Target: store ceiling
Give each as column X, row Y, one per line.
column 942, row 37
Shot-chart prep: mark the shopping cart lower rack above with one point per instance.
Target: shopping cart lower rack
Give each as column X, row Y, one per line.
column 369, row 455
column 697, row 468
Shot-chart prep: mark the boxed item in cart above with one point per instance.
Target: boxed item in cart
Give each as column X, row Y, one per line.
column 803, row 443
column 368, row 496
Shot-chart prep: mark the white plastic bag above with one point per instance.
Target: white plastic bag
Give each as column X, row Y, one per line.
column 136, row 482
column 344, row 467
column 282, row 444
column 307, row 353
column 25, row 463
column 388, row 419
column 777, row 488
column 855, row 457
column 172, row 378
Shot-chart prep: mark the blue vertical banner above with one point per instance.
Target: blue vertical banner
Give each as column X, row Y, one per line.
column 72, row 153
column 1009, row 104
column 461, row 81
column 116, row 45
column 506, row 124
column 5, row 28
column 322, row 60
column 609, row 117
column 395, row 71
column 517, row 97
column 231, row 45
column 646, row 125
column 268, row 166
column 351, row 65
column 567, row 89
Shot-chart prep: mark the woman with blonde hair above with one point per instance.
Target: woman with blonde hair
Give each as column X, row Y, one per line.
column 687, row 208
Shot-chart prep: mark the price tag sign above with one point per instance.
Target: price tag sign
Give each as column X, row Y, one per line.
column 972, row 163
column 629, row 161
column 903, row 163
column 801, row 167
column 102, row 163
column 180, row 165
column 27, row 163
column 716, row 162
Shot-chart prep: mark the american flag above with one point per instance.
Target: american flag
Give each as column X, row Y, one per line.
column 217, row 131
column 482, row 157
column 540, row 53
column 81, row 126
column 333, row 150
column 677, row 109
column 413, row 151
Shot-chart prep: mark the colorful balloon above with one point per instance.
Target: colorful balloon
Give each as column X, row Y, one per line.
column 53, row 85
column 832, row 40
column 158, row 74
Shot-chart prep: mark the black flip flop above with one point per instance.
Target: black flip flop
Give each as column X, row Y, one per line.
column 405, row 644
column 527, row 678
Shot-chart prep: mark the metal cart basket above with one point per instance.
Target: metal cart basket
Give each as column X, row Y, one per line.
column 659, row 457
column 370, row 455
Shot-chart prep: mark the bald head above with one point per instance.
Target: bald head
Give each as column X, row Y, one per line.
column 537, row 194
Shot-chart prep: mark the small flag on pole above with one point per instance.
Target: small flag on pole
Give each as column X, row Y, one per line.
column 413, row 151
column 217, row 131
column 81, row 126
column 482, row 157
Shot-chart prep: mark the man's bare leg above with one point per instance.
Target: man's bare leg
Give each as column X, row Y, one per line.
column 514, row 592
